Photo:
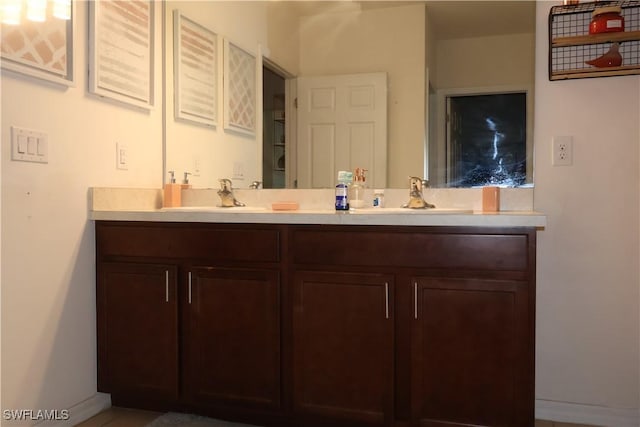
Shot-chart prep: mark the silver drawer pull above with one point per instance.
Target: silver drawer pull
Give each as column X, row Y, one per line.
column 386, row 300
column 415, row 300
column 166, row 286
column 189, row 287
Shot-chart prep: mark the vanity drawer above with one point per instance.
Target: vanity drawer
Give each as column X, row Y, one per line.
column 412, row 247
column 219, row 242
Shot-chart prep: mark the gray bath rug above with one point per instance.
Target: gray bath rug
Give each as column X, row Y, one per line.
column 174, row 419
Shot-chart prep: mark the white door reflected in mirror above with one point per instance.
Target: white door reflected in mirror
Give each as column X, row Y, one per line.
column 342, row 125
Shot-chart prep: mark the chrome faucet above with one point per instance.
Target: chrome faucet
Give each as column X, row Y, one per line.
column 227, row 199
column 255, row 185
column 416, row 200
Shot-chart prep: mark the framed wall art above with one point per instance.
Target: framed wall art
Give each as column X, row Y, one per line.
column 239, row 89
column 121, row 51
column 43, row 48
column 195, row 71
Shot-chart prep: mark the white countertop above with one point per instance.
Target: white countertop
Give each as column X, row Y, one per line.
column 131, row 204
column 309, row 216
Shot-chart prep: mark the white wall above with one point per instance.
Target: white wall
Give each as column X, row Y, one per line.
column 262, row 29
column 215, row 149
column 352, row 42
column 587, row 278
column 47, row 248
column 494, row 61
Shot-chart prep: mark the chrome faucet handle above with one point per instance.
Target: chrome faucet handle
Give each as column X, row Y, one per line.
column 227, row 199
column 416, row 200
column 415, row 183
column 255, row 185
column 225, row 184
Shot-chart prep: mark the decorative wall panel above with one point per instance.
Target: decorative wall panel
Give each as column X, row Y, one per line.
column 122, row 51
column 39, row 49
column 240, row 89
column 195, row 71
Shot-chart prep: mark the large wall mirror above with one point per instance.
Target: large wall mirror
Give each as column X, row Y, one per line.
column 448, row 85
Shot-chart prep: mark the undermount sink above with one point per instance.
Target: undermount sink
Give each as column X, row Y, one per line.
column 408, row 211
column 216, row 209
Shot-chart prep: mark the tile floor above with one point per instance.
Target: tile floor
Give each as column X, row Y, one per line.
column 123, row 417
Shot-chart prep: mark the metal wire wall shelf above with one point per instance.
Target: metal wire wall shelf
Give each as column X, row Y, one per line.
column 570, row 43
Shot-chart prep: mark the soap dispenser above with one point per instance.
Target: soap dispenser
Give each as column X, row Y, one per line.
column 356, row 196
column 172, row 193
column 185, row 181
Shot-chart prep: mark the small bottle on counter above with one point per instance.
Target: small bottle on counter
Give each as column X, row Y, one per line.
column 378, row 198
column 342, row 190
column 356, row 191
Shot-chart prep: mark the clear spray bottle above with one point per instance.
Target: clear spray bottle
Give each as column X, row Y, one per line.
column 356, row 191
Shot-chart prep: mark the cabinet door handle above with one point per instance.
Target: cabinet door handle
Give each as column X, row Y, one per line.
column 386, row 300
column 166, row 286
column 415, row 300
column 189, row 287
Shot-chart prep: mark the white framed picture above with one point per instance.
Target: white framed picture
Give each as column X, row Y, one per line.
column 240, row 83
column 41, row 49
column 195, row 71
column 122, row 51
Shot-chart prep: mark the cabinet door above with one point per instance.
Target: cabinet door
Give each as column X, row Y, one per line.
column 343, row 347
column 472, row 354
column 232, row 337
column 137, row 330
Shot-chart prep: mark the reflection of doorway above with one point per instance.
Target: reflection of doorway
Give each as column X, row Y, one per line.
column 274, row 142
column 342, row 125
column 487, row 140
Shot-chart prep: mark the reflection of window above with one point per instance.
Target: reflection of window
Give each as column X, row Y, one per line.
column 487, row 140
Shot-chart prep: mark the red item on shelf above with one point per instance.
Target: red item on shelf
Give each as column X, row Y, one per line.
column 611, row 58
column 606, row 19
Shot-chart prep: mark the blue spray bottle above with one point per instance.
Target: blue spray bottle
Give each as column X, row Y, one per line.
column 342, row 190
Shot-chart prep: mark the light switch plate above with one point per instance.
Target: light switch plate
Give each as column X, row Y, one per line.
column 122, row 157
column 238, row 171
column 29, row 145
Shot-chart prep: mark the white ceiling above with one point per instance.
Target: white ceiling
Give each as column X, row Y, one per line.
column 450, row 18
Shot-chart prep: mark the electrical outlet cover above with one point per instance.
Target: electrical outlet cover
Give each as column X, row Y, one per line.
column 562, row 151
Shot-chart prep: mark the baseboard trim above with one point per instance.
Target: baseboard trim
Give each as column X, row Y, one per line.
column 586, row 414
column 83, row 410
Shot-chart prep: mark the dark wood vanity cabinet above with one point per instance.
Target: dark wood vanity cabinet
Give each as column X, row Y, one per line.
column 470, row 349
column 231, row 336
column 343, row 347
column 189, row 316
column 138, row 329
column 462, row 305
column 319, row 325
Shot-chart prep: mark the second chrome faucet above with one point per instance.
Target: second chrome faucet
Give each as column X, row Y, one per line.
column 227, row 199
column 416, row 199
